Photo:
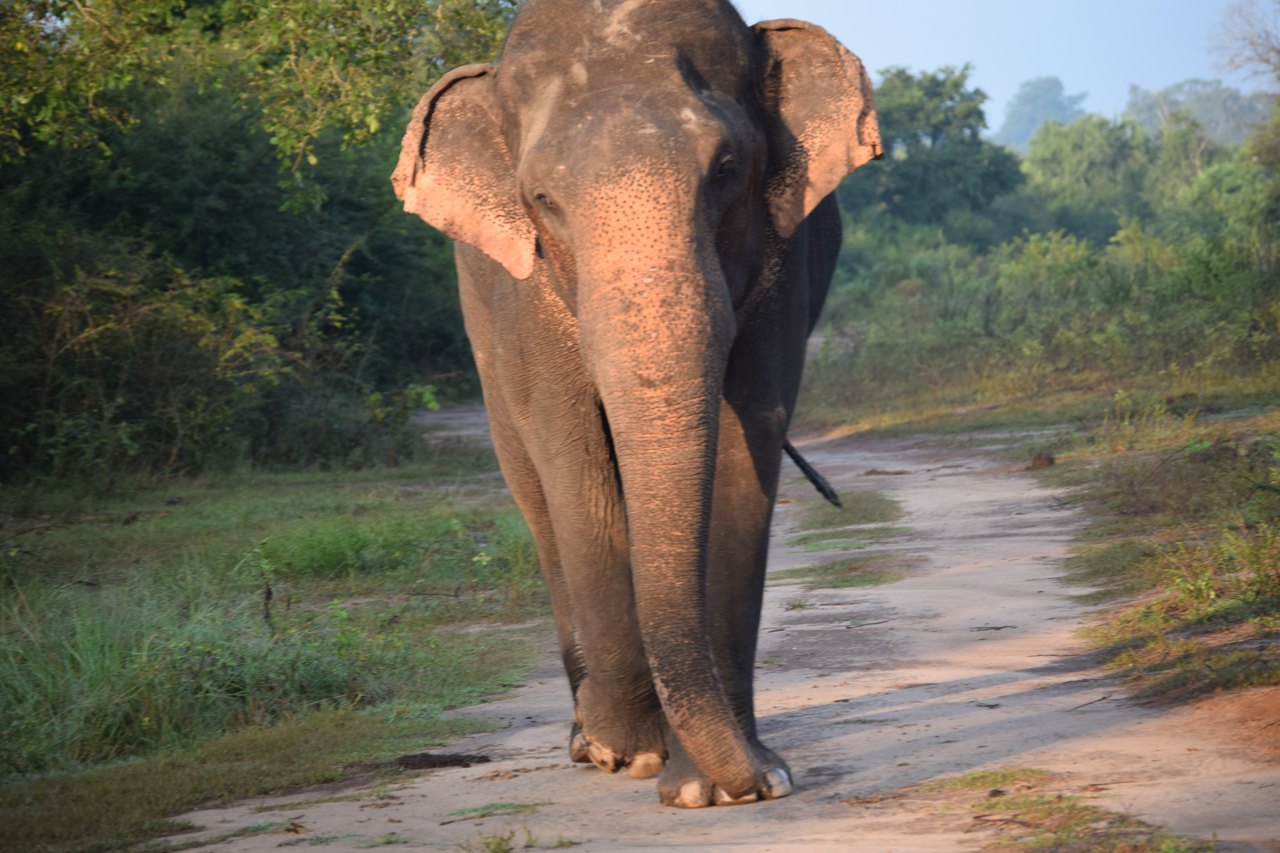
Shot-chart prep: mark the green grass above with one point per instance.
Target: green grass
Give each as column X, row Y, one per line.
column 1037, row 812
column 869, row 570
column 1116, row 568
column 860, row 508
column 1064, row 823
column 1008, row 778
column 839, row 539
column 862, row 521
column 1187, row 550
column 143, row 636
column 120, row 804
column 497, row 810
column 323, row 612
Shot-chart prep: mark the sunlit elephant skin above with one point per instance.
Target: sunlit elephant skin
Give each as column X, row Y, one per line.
column 641, row 195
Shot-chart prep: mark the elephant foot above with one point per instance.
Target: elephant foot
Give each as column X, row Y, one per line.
column 639, row 765
column 684, row 786
column 615, row 733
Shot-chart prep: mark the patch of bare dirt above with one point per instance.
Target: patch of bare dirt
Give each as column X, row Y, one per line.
column 970, row 662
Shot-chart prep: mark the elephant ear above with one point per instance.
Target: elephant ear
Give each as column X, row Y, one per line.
column 823, row 118
column 456, row 172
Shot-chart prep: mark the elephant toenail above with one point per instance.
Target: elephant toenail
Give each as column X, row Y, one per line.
column 645, row 764
column 693, row 795
column 603, row 757
column 723, row 798
column 579, row 749
column 777, row 783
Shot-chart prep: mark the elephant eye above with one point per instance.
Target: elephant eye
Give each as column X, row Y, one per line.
column 543, row 200
column 726, row 167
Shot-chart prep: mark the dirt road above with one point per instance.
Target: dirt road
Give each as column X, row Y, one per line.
column 969, row 662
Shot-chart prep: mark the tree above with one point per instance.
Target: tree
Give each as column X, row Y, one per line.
column 937, row 165
column 1226, row 114
column 203, row 257
column 1183, row 152
column 1092, row 172
column 304, row 67
column 1249, row 39
column 1037, row 101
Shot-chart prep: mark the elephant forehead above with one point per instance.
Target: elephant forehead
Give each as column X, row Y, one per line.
column 603, row 42
column 622, row 23
column 617, row 22
column 606, row 157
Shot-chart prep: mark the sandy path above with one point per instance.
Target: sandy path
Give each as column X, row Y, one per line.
column 968, row 663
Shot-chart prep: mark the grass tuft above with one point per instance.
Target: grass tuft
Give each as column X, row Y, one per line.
column 1032, row 810
column 869, row 570
column 859, row 508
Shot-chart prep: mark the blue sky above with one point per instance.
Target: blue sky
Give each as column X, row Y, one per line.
column 1093, row 46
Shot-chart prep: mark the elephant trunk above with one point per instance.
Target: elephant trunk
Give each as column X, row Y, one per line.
column 657, row 336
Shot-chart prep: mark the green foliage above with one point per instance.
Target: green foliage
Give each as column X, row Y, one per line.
column 1124, row 254
column 176, row 303
column 301, row 66
column 1092, row 171
column 936, row 164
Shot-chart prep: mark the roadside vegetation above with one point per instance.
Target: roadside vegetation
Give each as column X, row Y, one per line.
column 1185, row 550
column 229, row 636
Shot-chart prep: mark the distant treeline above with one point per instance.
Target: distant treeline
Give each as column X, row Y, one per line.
column 202, row 265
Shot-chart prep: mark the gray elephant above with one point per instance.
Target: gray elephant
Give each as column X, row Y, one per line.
column 640, row 192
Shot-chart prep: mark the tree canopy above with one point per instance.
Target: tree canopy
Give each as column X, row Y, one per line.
column 936, row 162
column 1036, row 102
column 1226, row 114
column 204, row 259
column 302, row 67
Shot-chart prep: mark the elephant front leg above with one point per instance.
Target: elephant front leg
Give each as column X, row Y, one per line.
column 618, row 721
column 747, row 464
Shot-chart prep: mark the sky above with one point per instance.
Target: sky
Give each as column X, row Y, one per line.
column 1094, row 46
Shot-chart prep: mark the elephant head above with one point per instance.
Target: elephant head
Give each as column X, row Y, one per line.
column 648, row 162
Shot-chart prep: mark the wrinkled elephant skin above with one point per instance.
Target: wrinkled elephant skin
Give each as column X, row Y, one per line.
column 640, row 191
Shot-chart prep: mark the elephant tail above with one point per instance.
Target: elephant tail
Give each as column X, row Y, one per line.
column 819, row 482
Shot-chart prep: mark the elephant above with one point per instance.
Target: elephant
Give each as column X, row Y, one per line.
column 641, row 198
